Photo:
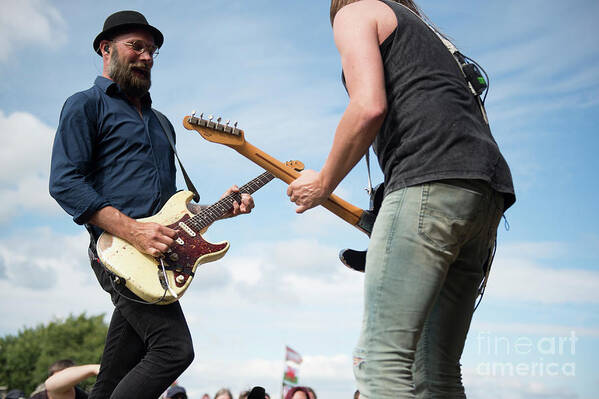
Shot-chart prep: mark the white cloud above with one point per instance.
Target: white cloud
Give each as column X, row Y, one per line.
column 274, row 294
column 523, row 278
column 336, row 367
column 49, row 275
column 29, row 22
column 216, row 374
column 555, row 330
column 506, row 387
column 320, row 221
column 25, row 154
column 325, row 373
column 534, row 250
column 26, row 146
column 286, row 273
column 249, row 272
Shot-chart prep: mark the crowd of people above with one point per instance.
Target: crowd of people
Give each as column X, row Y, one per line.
column 299, row 392
column 64, row 377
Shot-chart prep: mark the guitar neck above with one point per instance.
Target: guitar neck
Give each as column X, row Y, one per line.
column 346, row 211
column 225, row 204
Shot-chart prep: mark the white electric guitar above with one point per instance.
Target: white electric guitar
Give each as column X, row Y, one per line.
column 164, row 280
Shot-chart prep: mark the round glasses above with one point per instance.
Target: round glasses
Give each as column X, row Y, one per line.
column 140, row 47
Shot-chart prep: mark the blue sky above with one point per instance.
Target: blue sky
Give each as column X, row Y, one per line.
column 272, row 66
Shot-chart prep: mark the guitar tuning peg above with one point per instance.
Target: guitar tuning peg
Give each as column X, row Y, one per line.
column 210, row 118
column 218, row 119
column 202, row 115
column 228, row 120
column 235, row 125
column 193, row 113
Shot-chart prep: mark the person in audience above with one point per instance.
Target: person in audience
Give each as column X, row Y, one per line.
column 15, row 394
column 63, row 377
column 298, row 393
column 176, row 392
column 223, row 393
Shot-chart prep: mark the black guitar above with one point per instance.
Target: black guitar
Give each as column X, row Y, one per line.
column 352, row 258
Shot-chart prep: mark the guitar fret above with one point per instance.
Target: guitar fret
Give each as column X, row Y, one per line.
column 222, row 206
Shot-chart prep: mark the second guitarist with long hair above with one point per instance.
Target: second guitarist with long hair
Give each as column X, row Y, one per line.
column 447, row 186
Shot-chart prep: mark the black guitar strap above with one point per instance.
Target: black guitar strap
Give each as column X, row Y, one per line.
column 170, row 134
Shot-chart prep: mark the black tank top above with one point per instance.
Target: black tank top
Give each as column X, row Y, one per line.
column 434, row 128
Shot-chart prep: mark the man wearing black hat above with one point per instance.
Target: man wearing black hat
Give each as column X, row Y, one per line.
column 112, row 164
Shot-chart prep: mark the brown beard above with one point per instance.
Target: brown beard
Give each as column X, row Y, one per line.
column 134, row 79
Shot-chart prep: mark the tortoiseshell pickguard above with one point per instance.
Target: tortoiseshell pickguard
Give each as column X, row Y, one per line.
column 188, row 252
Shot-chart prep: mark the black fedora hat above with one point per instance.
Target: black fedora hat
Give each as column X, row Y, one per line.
column 123, row 20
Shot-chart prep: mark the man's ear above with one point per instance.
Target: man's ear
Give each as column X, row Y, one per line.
column 104, row 47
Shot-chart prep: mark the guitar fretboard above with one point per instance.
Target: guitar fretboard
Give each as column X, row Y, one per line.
column 224, row 205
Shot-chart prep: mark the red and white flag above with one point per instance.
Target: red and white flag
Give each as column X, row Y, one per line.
column 292, row 356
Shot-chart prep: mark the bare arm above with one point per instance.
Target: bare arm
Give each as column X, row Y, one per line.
column 149, row 238
column 153, row 238
column 356, row 37
column 59, row 385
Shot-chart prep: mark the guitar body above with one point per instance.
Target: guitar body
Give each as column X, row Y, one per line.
column 143, row 273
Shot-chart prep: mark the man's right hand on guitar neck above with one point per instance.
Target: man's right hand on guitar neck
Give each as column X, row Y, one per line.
column 150, row 238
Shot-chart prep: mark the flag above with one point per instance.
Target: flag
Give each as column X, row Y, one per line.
column 293, row 361
column 292, row 356
column 290, row 376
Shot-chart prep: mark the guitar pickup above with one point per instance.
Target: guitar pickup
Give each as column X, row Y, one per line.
column 187, row 229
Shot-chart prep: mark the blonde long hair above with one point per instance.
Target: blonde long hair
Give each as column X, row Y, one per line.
column 336, row 5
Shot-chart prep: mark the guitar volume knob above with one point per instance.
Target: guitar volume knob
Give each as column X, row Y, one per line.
column 174, row 256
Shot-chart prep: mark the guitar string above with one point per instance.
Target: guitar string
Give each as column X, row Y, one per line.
column 224, row 204
column 214, row 211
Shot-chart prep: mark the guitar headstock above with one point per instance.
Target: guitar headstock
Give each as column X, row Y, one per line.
column 214, row 130
column 296, row 165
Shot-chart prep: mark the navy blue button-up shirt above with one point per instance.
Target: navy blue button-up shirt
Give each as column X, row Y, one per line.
column 105, row 153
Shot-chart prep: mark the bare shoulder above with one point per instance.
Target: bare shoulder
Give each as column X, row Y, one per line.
column 369, row 14
column 364, row 8
column 356, row 14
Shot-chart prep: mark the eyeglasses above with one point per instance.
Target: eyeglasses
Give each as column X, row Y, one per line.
column 139, row 47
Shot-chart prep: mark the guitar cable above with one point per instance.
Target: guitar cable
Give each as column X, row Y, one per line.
column 487, row 272
column 168, row 286
column 117, row 279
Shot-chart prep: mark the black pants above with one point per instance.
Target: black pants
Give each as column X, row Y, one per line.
column 147, row 346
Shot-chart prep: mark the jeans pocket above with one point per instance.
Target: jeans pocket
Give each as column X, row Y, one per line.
column 447, row 212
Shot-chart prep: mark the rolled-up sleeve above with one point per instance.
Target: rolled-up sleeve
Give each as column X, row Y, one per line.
column 72, row 159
